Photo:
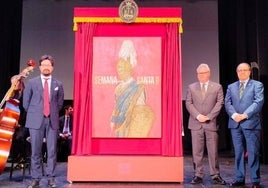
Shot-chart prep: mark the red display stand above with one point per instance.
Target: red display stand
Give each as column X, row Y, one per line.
column 152, row 159
column 125, row 168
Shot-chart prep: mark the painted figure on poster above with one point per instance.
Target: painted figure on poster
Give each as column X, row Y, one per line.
column 131, row 116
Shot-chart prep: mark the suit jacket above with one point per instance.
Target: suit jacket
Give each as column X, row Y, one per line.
column 62, row 121
column 250, row 103
column 210, row 106
column 33, row 102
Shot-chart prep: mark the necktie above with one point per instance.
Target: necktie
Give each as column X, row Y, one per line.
column 46, row 99
column 241, row 89
column 203, row 90
column 66, row 125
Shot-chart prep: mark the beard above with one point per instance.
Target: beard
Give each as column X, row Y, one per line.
column 46, row 72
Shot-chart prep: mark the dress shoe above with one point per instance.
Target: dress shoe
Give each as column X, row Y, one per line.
column 218, row 180
column 256, row 185
column 34, row 184
column 237, row 183
column 52, row 183
column 196, row 180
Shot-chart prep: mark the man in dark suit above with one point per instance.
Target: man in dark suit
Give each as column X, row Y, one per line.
column 43, row 98
column 65, row 133
column 204, row 100
column 243, row 102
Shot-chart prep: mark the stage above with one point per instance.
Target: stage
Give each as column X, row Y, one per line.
column 226, row 166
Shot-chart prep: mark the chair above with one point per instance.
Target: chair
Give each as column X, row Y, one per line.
column 19, row 156
column 19, row 163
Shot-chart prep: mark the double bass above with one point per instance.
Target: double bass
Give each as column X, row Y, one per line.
column 10, row 114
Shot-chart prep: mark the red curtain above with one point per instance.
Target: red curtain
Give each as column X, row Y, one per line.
column 171, row 94
column 82, row 89
column 170, row 144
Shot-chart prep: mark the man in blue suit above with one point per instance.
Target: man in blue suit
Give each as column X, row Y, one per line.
column 43, row 124
column 243, row 103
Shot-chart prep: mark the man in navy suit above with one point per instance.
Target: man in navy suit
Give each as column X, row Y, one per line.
column 243, row 103
column 43, row 124
column 65, row 133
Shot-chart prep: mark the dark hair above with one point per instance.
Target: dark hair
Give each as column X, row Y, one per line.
column 67, row 107
column 48, row 57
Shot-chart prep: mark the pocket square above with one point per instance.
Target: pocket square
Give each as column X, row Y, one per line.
column 56, row 89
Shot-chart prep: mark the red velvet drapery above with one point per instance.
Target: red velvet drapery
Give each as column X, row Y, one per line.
column 170, row 144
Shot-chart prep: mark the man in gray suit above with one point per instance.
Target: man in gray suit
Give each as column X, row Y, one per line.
column 243, row 103
column 204, row 100
column 43, row 124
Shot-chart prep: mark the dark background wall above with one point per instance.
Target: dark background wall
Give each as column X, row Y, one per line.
column 221, row 33
column 243, row 36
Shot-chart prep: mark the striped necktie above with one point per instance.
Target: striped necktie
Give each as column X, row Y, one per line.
column 241, row 89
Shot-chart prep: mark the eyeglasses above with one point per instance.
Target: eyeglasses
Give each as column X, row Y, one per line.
column 243, row 70
column 46, row 65
column 203, row 72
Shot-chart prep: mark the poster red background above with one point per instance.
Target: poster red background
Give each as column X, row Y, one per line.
column 104, row 77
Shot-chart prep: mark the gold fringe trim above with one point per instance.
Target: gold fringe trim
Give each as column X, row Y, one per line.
column 119, row 20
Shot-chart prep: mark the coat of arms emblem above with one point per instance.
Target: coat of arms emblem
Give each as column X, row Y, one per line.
column 128, row 11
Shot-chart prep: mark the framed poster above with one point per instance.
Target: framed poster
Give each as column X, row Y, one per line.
column 126, row 87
